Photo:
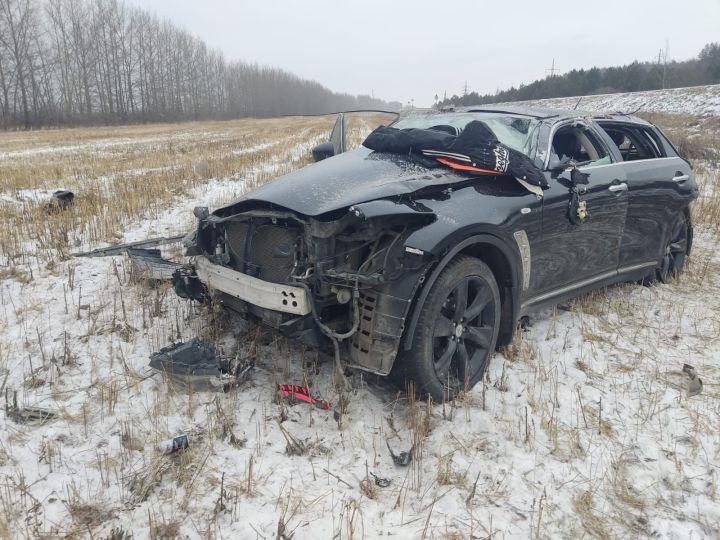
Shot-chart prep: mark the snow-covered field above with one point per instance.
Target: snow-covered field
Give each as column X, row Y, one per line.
column 698, row 100
column 582, row 428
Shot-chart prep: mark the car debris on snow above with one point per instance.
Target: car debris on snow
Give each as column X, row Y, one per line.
column 150, row 263
column 695, row 385
column 61, row 199
column 381, row 482
column 296, row 393
column 110, row 251
column 196, row 366
column 403, row 458
column 176, row 444
column 24, row 415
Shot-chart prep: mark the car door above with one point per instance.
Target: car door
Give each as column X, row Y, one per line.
column 660, row 185
column 574, row 253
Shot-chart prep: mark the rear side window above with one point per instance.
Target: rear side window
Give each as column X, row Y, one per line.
column 634, row 142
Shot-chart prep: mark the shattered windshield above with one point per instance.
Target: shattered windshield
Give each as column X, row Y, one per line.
column 512, row 130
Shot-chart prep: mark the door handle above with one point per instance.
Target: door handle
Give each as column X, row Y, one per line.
column 679, row 177
column 618, row 187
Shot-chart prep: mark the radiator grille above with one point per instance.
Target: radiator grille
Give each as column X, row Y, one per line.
column 263, row 250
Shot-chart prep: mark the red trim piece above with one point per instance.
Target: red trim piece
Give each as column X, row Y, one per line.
column 460, row 167
column 302, row 393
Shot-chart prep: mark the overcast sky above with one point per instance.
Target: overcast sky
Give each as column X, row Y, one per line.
column 412, row 50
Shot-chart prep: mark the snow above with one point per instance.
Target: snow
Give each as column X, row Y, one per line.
column 584, row 425
column 698, row 100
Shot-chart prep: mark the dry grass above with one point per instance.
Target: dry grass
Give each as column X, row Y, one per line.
column 135, row 179
column 696, row 137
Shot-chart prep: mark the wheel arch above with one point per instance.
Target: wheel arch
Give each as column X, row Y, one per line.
column 503, row 263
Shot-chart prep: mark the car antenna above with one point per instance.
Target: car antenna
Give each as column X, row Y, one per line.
column 578, row 103
column 631, row 112
column 636, row 110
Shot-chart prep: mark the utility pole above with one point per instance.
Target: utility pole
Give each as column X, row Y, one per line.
column 665, row 55
column 552, row 69
column 465, row 88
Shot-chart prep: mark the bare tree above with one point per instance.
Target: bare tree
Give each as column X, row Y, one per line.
column 89, row 61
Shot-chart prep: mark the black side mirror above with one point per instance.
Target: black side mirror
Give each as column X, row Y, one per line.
column 323, row 151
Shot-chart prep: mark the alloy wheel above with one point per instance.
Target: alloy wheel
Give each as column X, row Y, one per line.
column 463, row 331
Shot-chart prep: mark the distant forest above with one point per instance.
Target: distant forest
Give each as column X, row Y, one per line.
column 71, row 62
column 705, row 69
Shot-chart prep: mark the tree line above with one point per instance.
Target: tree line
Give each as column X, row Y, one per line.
column 69, row 62
column 638, row 76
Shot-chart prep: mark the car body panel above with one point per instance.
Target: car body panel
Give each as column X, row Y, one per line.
column 340, row 181
column 569, row 252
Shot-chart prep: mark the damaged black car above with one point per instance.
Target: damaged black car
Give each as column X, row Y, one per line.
column 417, row 253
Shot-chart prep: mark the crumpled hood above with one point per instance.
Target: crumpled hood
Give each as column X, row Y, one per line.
column 341, row 181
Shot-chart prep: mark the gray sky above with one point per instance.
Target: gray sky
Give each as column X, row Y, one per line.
column 403, row 50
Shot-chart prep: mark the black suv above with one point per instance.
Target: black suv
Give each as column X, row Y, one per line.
column 423, row 270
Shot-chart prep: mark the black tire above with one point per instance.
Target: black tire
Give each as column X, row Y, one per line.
column 675, row 251
column 453, row 343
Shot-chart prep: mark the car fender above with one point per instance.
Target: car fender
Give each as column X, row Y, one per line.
column 509, row 251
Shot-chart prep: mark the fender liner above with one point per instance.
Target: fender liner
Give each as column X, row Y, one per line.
column 495, row 241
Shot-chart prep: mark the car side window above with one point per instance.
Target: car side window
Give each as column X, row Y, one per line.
column 634, row 142
column 579, row 144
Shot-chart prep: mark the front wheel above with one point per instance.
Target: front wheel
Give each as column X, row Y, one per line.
column 456, row 332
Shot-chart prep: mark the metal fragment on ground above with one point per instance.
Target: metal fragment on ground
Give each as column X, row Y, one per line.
column 149, row 263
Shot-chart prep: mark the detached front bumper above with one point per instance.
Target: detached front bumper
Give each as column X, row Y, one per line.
column 274, row 296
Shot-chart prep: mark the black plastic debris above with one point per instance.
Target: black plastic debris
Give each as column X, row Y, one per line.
column 150, row 264
column 63, row 198
column 195, row 366
column 381, row 482
column 187, row 284
column 60, row 200
column 403, row 458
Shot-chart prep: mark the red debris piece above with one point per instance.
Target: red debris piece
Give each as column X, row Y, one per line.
column 302, row 393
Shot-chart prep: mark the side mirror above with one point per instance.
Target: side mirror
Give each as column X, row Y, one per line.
column 323, row 151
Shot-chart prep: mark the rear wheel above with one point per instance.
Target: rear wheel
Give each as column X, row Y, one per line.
column 674, row 253
column 457, row 331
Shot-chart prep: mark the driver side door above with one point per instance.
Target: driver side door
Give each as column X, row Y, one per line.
column 577, row 253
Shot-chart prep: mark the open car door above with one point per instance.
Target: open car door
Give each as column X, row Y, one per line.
column 336, row 145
